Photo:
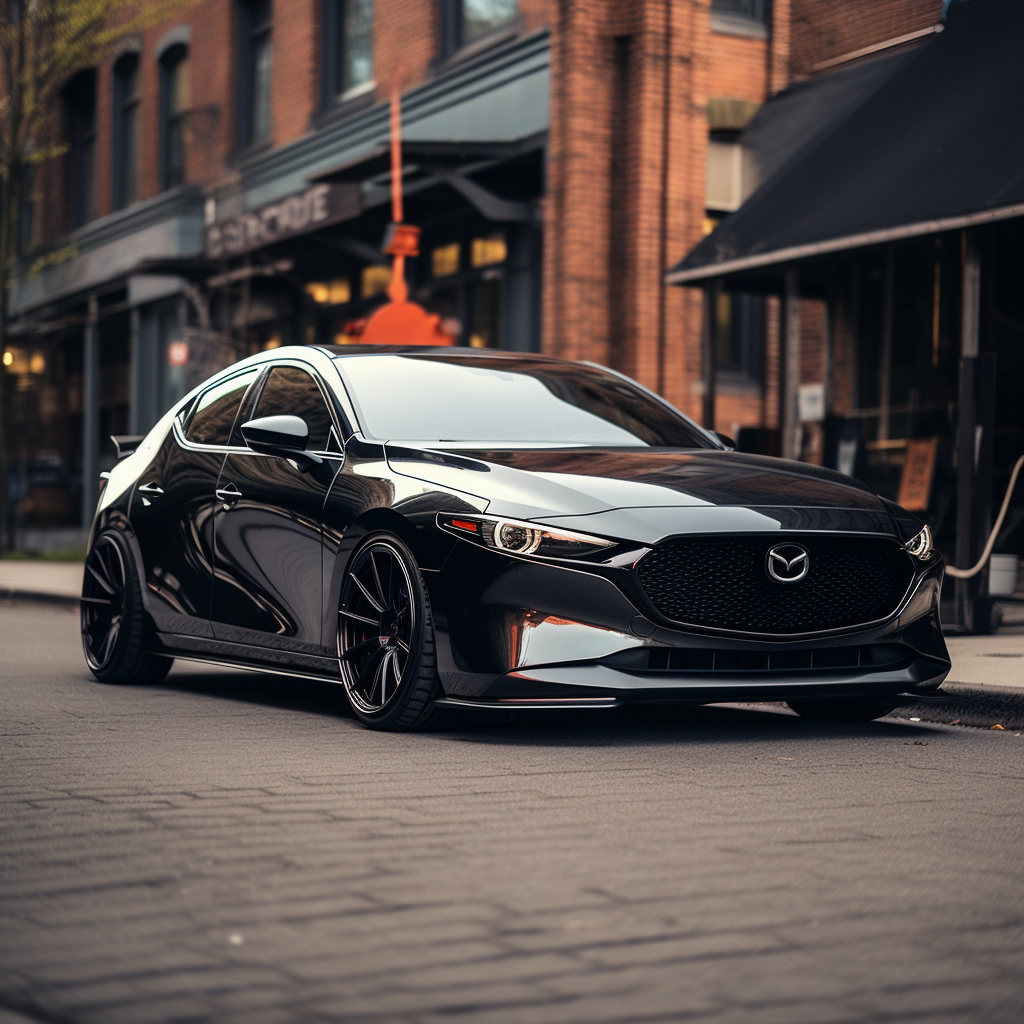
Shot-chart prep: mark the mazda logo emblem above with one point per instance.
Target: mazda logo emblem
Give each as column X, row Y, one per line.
column 788, row 563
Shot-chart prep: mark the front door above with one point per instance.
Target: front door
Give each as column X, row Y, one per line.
column 172, row 509
column 267, row 588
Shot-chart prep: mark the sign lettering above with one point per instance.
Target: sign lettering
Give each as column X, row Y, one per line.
column 316, row 207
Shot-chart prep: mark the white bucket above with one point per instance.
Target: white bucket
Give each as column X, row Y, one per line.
column 1002, row 575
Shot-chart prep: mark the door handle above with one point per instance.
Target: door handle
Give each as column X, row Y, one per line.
column 230, row 495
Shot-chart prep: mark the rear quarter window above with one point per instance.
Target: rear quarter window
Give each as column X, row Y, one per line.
column 216, row 409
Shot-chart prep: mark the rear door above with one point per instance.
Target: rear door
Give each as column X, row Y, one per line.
column 267, row 588
column 172, row 508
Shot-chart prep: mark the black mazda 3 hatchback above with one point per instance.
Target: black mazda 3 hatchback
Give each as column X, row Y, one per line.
column 454, row 528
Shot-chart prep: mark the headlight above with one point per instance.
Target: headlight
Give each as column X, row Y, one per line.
column 519, row 538
column 921, row 546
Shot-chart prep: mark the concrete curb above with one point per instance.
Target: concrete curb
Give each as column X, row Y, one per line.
column 970, row 706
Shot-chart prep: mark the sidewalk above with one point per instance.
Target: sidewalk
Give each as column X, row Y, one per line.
column 47, row 581
column 992, row 663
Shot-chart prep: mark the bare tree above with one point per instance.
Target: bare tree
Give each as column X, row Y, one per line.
column 43, row 43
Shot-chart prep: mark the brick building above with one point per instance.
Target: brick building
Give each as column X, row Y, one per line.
column 889, row 229
column 225, row 189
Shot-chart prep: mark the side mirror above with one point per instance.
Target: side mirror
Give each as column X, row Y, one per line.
column 286, row 436
column 724, row 438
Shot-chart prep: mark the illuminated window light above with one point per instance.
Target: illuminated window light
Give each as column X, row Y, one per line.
column 489, row 250
column 375, row 281
column 319, row 292
column 445, row 261
column 340, row 291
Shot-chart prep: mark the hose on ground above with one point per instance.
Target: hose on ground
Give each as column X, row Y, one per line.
column 966, row 574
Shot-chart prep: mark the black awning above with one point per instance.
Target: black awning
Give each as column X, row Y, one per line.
column 938, row 145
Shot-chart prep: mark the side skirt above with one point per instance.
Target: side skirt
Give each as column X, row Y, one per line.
column 244, row 666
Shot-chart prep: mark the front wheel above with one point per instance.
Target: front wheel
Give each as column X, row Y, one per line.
column 843, row 709
column 112, row 617
column 386, row 639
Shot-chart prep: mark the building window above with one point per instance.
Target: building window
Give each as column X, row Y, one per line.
column 464, row 21
column 254, row 67
column 724, row 180
column 27, row 215
column 330, row 293
column 348, row 49
column 175, row 101
column 740, row 17
column 126, row 131
column 80, row 136
column 490, row 250
column 444, row 261
column 740, row 336
column 375, row 281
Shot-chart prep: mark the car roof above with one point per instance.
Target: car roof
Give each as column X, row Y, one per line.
column 440, row 352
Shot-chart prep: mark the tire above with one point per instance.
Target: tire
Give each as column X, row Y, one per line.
column 843, row 709
column 112, row 616
column 386, row 646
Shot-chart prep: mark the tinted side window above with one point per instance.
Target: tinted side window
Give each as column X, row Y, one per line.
column 290, row 391
column 216, row 410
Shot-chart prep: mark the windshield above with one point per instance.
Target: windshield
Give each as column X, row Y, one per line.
column 500, row 401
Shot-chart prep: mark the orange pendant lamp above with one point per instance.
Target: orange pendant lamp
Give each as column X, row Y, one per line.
column 401, row 322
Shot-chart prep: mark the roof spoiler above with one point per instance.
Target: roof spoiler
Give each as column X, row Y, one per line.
column 126, row 443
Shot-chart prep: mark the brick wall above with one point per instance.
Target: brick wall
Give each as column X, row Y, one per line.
column 824, row 31
column 406, row 42
column 629, row 131
column 631, row 83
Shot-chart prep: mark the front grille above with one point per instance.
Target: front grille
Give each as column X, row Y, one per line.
column 722, row 582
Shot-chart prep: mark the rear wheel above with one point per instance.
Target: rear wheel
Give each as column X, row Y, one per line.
column 386, row 639
column 112, row 617
column 843, row 709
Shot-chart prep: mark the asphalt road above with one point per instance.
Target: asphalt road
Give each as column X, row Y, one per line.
column 231, row 848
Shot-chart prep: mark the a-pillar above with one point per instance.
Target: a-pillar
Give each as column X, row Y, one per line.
column 90, row 414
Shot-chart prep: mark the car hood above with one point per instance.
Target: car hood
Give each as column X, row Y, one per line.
column 554, row 485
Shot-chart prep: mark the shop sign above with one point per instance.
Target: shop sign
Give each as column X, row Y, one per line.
column 317, row 207
column 918, row 471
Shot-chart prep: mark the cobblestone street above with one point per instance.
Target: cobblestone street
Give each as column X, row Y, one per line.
column 230, row 848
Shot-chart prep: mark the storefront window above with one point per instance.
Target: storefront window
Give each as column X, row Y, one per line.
column 740, row 335
column 375, row 281
column 485, row 320
column 330, row 293
column 444, row 261
column 490, row 250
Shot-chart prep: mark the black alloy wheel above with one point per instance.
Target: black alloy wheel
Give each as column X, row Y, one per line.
column 112, row 618
column 386, row 639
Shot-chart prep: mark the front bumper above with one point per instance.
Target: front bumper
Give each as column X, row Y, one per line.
column 530, row 634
